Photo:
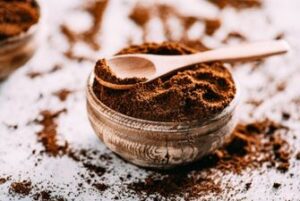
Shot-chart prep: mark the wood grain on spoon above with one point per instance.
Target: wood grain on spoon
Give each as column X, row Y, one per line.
column 151, row 66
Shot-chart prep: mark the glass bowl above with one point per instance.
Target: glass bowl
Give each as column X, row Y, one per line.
column 159, row 144
column 17, row 50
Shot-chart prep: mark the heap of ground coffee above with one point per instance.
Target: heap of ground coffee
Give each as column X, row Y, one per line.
column 198, row 92
column 17, row 16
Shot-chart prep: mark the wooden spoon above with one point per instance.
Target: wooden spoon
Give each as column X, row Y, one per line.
column 151, row 66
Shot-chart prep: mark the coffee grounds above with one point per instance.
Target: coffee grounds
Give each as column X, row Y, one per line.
column 280, row 36
column 286, row 116
column 17, row 16
column 276, row 185
column 100, row 186
column 234, row 35
column 96, row 9
column 298, row 156
column 252, row 146
column 35, row 74
column 48, row 135
column 248, row 186
column 62, row 94
column 174, row 185
column 47, row 195
column 238, row 4
column 142, row 14
column 211, row 26
column 3, row 180
column 22, row 187
column 199, row 92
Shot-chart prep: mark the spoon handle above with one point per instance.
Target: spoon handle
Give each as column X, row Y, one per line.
column 244, row 52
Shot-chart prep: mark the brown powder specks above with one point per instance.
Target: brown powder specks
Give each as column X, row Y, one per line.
column 45, row 195
column 238, row 4
column 48, row 135
column 34, row 74
column 252, row 146
column 172, row 185
column 22, row 187
column 3, row 180
column 298, row 156
column 276, row 185
column 96, row 10
column 62, row 94
column 211, row 26
column 141, row 15
column 234, row 35
column 100, row 186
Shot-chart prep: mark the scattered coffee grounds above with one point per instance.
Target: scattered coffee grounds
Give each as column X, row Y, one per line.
column 164, row 13
column 174, row 185
column 234, row 35
column 44, row 195
column 34, row 74
column 47, row 195
column 17, row 16
column 3, row 180
column 62, row 94
column 254, row 145
column 26, row 188
column 276, row 185
column 286, row 116
column 195, row 44
column 199, row 92
column 141, row 16
column 96, row 9
column 211, row 26
column 280, row 36
column 239, row 4
column 22, row 187
column 11, row 126
column 298, row 156
column 83, row 157
column 100, row 187
column 248, row 186
column 48, row 135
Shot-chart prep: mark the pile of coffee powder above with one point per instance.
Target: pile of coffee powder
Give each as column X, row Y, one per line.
column 17, row 16
column 198, row 92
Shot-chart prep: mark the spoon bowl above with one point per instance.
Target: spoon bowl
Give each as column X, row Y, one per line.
column 132, row 66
